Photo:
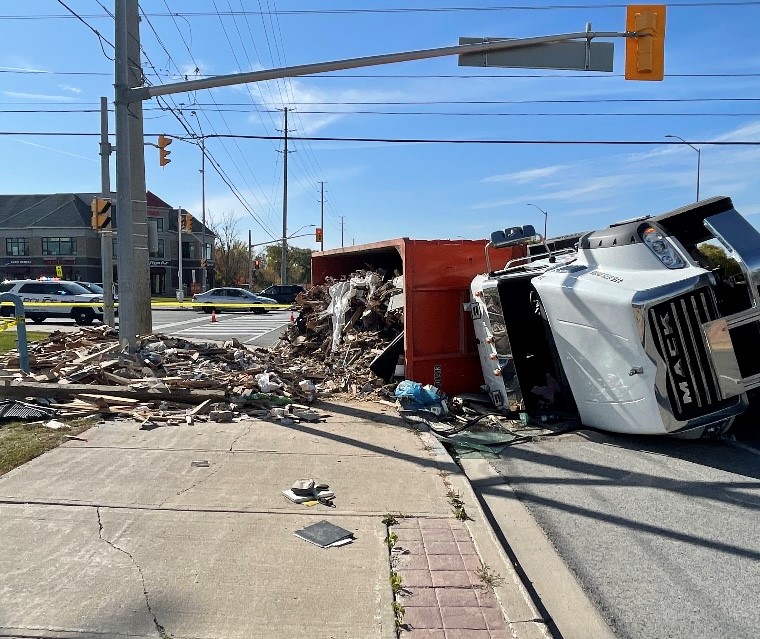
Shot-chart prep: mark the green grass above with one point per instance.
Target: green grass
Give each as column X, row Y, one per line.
column 8, row 339
column 20, row 442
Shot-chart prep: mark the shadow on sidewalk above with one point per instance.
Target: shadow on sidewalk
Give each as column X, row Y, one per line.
column 389, row 420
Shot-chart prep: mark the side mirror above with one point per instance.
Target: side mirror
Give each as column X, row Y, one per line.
column 513, row 236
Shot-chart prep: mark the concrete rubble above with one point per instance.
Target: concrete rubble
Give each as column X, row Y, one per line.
column 341, row 328
column 168, row 381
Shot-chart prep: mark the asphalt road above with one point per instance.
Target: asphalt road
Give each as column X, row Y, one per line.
column 662, row 534
column 254, row 330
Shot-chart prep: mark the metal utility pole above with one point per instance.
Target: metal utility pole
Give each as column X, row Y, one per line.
column 699, row 156
column 133, row 250
column 250, row 263
column 132, row 241
column 342, row 228
column 106, row 236
column 322, row 218
column 284, row 265
column 204, row 257
column 179, row 254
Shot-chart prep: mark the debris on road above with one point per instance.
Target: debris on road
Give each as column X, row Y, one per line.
column 341, row 328
column 168, row 381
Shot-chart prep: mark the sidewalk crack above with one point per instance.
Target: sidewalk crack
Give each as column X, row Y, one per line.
column 161, row 630
column 234, row 441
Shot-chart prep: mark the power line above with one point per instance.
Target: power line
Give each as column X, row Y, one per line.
column 405, row 10
column 191, row 136
column 101, row 38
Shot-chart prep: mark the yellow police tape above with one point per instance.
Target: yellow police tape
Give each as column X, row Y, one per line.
column 11, row 322
column 157, row 304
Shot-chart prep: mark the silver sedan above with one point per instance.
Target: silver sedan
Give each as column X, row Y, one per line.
column 232, row 299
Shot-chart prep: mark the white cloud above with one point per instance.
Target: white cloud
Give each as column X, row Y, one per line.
column 69, row 88
column 39, row 97
column 55, row 150
column 528, row 175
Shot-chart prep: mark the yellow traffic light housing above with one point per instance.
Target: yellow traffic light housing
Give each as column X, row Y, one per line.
column 187, row 223
column 163, row 152
column 645, row 52
column 101, row 213
column 318, row 235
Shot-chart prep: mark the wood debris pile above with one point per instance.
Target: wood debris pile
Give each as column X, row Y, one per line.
column 373, row 318
column 168, row 380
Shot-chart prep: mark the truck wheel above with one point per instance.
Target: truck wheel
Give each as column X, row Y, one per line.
column 207, row 309
column 37, row 319
column 83, row 316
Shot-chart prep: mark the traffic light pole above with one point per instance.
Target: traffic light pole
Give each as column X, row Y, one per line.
column 179, row 254
column 106, row 236
column 250, row 263
column 134, row 272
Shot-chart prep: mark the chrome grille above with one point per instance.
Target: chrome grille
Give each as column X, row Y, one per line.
column 676, row 327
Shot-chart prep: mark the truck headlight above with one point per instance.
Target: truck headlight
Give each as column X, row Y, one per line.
column 662, row 248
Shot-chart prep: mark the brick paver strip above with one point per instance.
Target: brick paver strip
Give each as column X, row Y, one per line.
column 443, row 596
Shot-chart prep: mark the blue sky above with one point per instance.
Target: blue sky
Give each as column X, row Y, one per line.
column 711, row 93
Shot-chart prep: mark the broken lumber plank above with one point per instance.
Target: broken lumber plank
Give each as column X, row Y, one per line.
column 64, row 391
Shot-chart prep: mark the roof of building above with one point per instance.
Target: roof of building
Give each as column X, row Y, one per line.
column 64, row 211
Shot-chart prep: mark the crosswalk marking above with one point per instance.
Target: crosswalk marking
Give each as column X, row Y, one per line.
column 245, row 327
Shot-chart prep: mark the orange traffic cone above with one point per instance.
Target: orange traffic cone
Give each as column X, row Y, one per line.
column 213, row 315
column 292, row 317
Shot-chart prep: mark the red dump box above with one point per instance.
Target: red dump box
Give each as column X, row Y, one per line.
column 439, row 341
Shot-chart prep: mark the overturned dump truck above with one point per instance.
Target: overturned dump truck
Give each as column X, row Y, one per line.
column 636, row 328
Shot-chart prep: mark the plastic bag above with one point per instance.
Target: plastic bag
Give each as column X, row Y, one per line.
column 266, row 384
column 414, row 396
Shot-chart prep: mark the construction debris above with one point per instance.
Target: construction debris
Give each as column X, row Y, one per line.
column 168, row 381
column 341, row 328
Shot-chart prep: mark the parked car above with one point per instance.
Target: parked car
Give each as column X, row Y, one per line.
column 284, row 294
column 229, row 299
column 52, row 290
column 97, row 288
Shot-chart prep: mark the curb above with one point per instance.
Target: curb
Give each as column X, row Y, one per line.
column 520, row 613
column 569, row 612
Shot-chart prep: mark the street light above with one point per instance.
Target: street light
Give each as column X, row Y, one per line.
column 699, row 157
column 546, row 217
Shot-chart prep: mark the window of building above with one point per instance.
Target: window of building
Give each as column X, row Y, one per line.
column 189, row 250
column 160, row 224
column 59, row 246
column 16, row 246
column 209, row 255
column 160, row 251
column 114, row 246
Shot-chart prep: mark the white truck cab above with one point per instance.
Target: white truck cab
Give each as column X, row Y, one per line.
column 635, row 329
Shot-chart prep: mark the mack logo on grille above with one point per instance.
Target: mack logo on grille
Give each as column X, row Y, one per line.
column 675, row 357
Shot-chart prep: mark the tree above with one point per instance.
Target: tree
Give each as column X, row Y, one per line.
column 298, row 264
column 719, row 257
column 230, row 252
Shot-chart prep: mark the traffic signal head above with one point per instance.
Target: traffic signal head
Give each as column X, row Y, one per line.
column 318, row 235
column 101, row 213
column 257, row 263
column 645, row 51
column 163, row 152
column 187, row 223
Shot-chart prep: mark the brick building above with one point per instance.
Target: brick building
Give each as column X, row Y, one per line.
column 40, row 232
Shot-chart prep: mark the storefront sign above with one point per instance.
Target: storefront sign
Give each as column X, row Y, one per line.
column 13, row 260
column 158, row 262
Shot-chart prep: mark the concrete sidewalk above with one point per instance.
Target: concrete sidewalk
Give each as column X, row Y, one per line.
column 122, row 535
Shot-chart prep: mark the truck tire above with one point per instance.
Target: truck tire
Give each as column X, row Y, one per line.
column 37, row 319
column 83, row 316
